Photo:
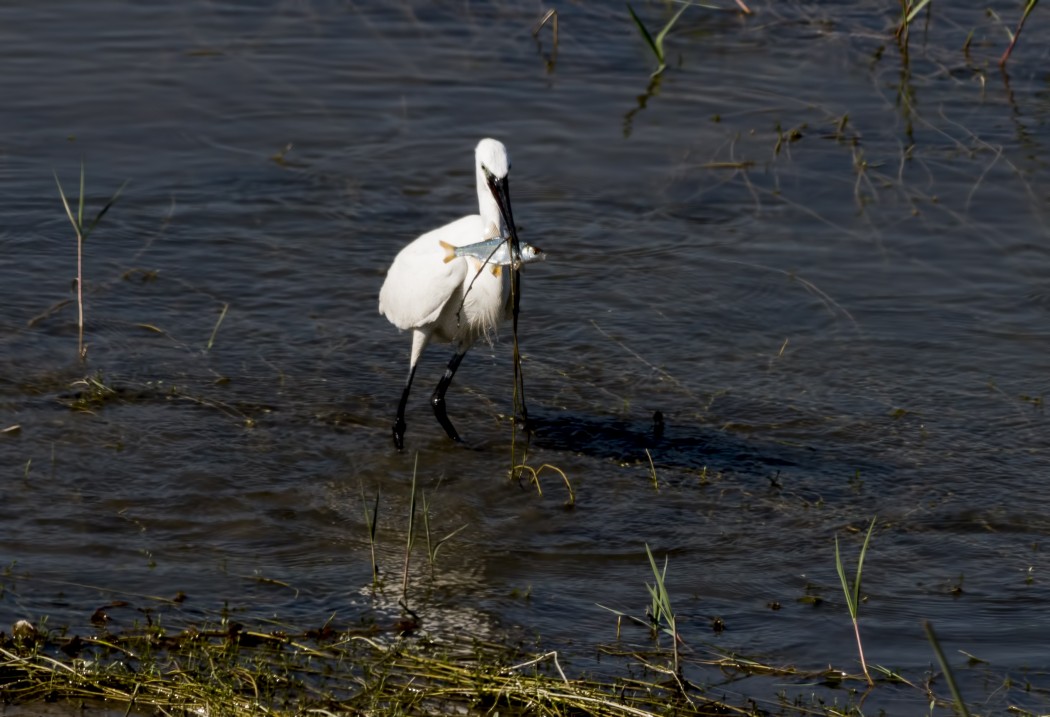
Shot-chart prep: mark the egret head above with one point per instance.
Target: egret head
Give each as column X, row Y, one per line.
column 492, row 155
column 494, row 187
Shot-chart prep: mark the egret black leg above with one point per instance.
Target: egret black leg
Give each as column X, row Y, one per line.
column 399, row 422
column 437, row 400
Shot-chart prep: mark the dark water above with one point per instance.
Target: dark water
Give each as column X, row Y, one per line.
column 836, row 319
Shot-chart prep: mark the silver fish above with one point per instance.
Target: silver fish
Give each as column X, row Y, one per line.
column 494, row 251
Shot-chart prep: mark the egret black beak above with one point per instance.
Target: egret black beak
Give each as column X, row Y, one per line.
column 500, row 189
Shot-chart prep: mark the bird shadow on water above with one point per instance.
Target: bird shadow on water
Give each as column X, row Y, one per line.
column 688, row 447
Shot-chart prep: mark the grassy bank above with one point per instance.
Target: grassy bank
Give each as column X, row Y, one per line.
column 232, row 670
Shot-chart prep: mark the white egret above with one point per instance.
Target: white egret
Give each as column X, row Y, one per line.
column 453, row 298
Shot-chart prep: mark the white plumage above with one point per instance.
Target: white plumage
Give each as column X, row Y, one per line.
column 458, row 300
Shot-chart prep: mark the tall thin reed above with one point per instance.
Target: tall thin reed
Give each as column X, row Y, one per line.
column 433, row 546
column 852, row 593
column 660, row 612
column 1017, row 33
column 215, row 331
column 652, row 471
column 372, row 521
column 82, row 233
column 909, row 11
column 520, row 411
column 410, row 541
column 960, row 706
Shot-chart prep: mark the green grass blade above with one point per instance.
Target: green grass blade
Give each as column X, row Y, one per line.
column 667, row 28
column 960, row 706
column 657, row 575
column 80, row 208
column 450, row 536
column 102, row 212
column 845, row 582
column 1014, row 36
column 215, row 331
column 374, row 523
column 645, row 34
column 411, row 539
column 916, row 9
column 412, row 507
column 860, row 562
column 65, row 203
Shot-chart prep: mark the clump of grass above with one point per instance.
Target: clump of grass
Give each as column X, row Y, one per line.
column 660, row 617
column 165, row 663
column 230, row 670
column 417, row 498
column 522, row 468
column 659, row 611
column 82, row 231
column 852, row 592
column 93, row 393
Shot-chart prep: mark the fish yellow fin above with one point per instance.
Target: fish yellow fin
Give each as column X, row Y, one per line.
column 450, row 251
column 497, row 270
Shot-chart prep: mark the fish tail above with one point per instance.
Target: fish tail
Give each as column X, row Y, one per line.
column 450, row 251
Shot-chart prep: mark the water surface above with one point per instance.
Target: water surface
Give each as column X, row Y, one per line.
column 824, row 262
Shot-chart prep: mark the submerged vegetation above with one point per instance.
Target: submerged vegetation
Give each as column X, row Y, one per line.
column 231, row 670
column 162, row 662
column 851, row 589
column 82, row 231
column 912, row 10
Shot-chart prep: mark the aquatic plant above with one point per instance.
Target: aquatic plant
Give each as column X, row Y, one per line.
column 960, row 706
column 852, row 592
column 910, row 10
column 215, row 331
column 550, row 59
column 534, row 474
column 434, row 544
column 411, row 534
column 372, row 522
column 82, row 233
column 659, row 611
column 1029, row 6
column 229, row 670
column 656, row 44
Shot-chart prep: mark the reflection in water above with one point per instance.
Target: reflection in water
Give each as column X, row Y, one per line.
column 651, row 91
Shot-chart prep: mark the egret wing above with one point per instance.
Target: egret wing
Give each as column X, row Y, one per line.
column 420, row 282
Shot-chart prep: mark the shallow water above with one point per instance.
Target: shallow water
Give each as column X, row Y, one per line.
column 836, row 323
